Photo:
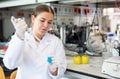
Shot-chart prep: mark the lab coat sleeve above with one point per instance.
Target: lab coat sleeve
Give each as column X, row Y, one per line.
column 13, row 55
column 60, row 54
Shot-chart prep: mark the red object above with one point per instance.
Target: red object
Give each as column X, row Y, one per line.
column 20, row 14
column 86, row 11
column 5, row 48
column 77, row 10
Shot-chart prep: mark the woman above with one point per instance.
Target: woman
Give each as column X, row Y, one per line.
column 29, row 50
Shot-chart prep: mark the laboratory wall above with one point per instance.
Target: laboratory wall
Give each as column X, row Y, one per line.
column 8, row 28
column 65, row 13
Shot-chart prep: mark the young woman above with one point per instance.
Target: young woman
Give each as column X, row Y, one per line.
column 28, row 51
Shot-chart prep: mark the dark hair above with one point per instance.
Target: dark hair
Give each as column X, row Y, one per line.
column 42, row 8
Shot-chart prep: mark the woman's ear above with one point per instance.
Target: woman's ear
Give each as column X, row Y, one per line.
column 32, row 18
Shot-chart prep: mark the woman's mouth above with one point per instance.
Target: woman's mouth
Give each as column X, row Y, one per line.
column 43, row 30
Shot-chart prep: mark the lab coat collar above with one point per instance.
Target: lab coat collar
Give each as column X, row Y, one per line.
column 32, row 42
column 46, row 38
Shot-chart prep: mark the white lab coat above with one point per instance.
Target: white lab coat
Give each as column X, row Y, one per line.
column 31, row 58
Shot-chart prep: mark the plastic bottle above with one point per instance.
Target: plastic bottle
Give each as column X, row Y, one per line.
column 109, row 45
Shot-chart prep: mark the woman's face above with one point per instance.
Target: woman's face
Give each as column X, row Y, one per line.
column 42, row 23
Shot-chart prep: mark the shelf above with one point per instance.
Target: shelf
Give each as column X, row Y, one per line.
column 42, row 1
column 5, row 4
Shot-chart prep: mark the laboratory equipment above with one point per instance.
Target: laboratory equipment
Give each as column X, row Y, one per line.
column 111, row 45
column 111, row 66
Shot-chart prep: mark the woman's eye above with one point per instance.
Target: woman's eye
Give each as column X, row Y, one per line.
column 42, row 21
column 49, row 22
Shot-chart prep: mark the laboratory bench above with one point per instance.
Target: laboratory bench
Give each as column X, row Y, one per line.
column 86, row 71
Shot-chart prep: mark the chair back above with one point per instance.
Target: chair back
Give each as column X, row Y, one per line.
column 13, row 74
column 2, row 74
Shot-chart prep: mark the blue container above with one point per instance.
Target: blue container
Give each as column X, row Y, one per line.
column 49, row 60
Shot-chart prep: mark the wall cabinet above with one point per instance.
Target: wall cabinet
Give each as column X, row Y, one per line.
column 40, row 1
column 12, row 3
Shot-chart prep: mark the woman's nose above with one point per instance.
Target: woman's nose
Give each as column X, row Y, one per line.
column 46, row 24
